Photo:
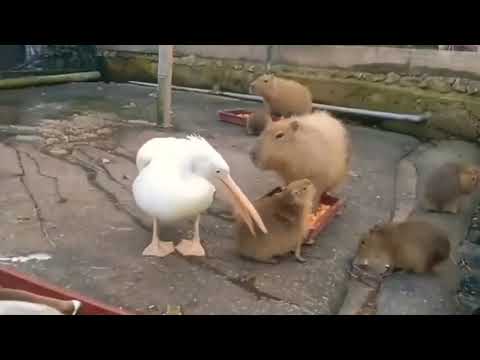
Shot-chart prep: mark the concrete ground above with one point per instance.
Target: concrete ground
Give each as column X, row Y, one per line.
column 79, row 210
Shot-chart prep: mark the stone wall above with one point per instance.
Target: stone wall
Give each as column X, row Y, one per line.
column 400, row 84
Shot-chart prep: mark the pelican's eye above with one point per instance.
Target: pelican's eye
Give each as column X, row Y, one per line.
column 218, row 171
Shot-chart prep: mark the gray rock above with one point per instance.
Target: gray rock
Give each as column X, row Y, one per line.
column 474, row 237
column 105, row 131
column 359, row 75
column 409, row 81
column 451, row 80
column 470, row 253
column 423, row 84
column 375, row 77
column 342, row 74
column 185, row 60
column 439, row 84
column 470, row 284
column 51, row 141
column 51, row 133
column 460, row 85
column 473, row 87
column 392, row 78
column 55, row 151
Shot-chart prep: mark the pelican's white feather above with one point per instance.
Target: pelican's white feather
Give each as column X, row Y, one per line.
column 166, row 186
column 168, row 147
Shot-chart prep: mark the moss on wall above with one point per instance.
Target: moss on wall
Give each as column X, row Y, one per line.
column 453, row 103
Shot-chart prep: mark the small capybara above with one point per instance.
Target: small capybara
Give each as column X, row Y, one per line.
column 256, row 122
column 282, row 97
column 285, row 212
column 315, row 146
column 415, row 246
column 447, row 184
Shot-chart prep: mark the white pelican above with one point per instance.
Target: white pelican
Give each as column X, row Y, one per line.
column 177, row 180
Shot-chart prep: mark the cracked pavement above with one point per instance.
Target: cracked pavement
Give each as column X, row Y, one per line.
column 80, row 210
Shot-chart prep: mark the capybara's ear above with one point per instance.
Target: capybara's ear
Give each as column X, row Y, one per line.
column 295, row 125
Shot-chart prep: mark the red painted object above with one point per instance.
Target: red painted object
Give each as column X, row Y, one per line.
column 13, row 279
column 335, row 206
column 236, row 116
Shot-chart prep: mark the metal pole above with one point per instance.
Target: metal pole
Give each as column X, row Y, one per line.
column 268, row 60
column 164, row 99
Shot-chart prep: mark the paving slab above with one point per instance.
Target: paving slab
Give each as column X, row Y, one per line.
column 96, row 234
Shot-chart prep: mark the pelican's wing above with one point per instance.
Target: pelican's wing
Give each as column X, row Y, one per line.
column 156, row 147
column 8, row 307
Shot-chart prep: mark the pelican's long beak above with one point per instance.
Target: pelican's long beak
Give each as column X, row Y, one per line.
column 242, row 205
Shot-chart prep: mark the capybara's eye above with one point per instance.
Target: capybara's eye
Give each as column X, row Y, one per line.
column 279, row 135
column 265, row 81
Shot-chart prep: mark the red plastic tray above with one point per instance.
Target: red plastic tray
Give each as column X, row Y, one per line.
column 14, row 279
column 233, row 116
column 327, row 217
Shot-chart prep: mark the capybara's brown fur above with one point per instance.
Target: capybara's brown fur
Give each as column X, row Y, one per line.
column 315, row 146
column 285, row 212
column 282, row 97
column 447, row 184
column 415, row 246
column 256, row 122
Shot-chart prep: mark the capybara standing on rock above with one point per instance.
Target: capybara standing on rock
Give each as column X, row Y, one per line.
column 285, row 212
column 447, row 184
column 415, row 246
column 315, row 147
column 282, row 97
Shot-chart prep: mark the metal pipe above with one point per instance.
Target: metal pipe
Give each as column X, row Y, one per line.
column 354, row 111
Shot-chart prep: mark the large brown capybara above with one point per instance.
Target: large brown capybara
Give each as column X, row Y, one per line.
column 315, row 146
column 415, row 246
column 282, row 97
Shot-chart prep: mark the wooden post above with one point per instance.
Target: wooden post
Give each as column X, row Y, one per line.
column 164, row 99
